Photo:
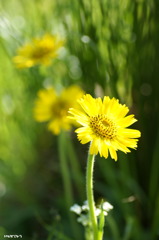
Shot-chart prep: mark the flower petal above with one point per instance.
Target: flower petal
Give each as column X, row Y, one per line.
column 94, row 147
column 127, row 121
column 113, row 153
column 90, row 105
column 129, row 133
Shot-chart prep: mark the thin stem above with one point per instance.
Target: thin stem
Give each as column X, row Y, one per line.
column 90, row 197
column 101, row 224
column 65, row 171
column 75, row 167
column 67, row 181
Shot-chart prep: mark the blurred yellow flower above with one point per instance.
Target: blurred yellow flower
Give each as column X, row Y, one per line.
column 39, row 51
column 104, row 124
column 54, row 108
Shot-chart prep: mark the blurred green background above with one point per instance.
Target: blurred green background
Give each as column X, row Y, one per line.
column 111, row 48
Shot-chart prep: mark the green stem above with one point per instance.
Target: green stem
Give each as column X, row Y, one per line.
column 90, row 197
column 101, row 224
column 67, row 181
column 65, row 171
column 75, row 167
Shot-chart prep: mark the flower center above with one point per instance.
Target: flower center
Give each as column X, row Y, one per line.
column 60, row 109
column 103, row 126
column 40, row 52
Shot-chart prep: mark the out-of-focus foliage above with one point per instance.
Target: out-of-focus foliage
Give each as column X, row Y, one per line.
column 111, row 48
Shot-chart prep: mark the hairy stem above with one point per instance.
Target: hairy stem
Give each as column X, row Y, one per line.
column 90, row 197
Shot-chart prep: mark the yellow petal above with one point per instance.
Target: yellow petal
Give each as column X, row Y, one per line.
column 130, row 133
column 127, row 121
column 88, row 103
column 104, row 150
column 128, row 142
column 121, row 111
column 94, row 147
column 79, row 116
column 113, row 153
column 120, row 146
column 54, row 127
column 84, row 134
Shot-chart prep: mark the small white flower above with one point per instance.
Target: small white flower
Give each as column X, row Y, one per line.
column 97, row 212
column 83, row 219
column 83, row 211
column 85, row 206
column 105, row 213
column 107, row 206
column 76, row 209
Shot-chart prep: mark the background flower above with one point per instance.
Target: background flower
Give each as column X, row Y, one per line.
column 39, row 51
column 52, row 107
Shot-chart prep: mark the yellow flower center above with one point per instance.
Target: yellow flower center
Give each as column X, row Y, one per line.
column 60, row 109
column 40, row 52
column 103, row 126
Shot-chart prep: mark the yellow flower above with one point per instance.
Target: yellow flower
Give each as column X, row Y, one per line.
column 39, row 51
column 54, row 108
column 104, row 124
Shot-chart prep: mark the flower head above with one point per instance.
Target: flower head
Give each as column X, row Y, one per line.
column 84, row 219
column 104, row 124
column 106, row 206
column 83, row 211
column 53, row 108
column 39, row 51
column 76, row 209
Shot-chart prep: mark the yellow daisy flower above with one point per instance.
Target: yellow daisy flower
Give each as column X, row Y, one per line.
column 104, row 124
column 39, row 51
column 54, row 108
